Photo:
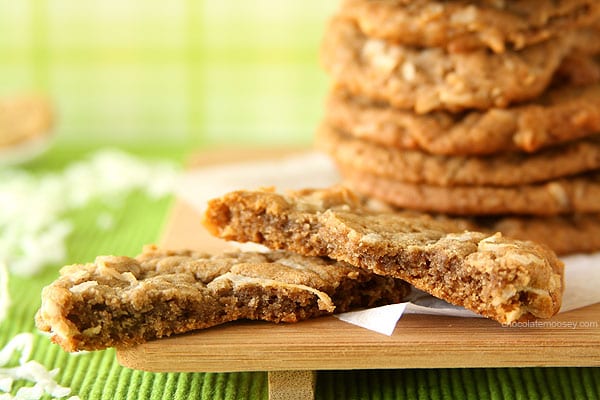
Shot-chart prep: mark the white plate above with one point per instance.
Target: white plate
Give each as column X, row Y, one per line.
column 25, row 151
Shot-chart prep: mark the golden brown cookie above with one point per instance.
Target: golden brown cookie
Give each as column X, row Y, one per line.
column 23, row 118
column 582, row 65
column 497, row 277
column 413, row 166
column 587, row 40
column 577, row 194
column 578, row 69
column 461, row 25
column 564, row 234
column 122, row 301
column 560, row 115
column 433, row 79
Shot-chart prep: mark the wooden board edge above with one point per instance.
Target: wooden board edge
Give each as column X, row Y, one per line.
column 292, row 385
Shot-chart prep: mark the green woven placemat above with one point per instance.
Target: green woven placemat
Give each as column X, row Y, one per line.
column 97, row 375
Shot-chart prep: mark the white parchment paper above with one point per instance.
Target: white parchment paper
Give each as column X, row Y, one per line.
column 316, row 170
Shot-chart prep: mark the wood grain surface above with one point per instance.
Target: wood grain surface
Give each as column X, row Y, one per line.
column 419, row 341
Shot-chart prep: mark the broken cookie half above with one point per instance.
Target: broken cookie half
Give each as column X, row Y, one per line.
column 122, row 301
column 495, row 276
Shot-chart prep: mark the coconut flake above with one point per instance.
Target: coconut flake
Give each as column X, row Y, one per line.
column 83, row 286
column 105, row 221
column 33, row 208
column 22, row 342
column 4, row 293
column 31, row 371
column 6, row 383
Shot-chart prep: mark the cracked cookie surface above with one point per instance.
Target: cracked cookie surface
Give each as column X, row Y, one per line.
column 576, row 194
column 431, row 79
column 492, row 275
column 122, row 301
column 564, row 234
column 412, row 166
column 558, row 116
column 466, row 25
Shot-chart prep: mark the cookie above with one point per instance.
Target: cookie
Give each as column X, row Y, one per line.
column 582, row 65
column 122, row 301
column 411, row 166
column 587, row 40
column 560, row 115
column 578, row 69
column 467, row 25
column 577, row 194
column 24, row 118
column 497, row 277
column 564, row 234
column 432, row 78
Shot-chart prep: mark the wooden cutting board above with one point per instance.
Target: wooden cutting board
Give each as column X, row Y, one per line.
column 419, row 341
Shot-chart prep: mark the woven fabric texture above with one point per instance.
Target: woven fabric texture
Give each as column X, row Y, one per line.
column 97, row 375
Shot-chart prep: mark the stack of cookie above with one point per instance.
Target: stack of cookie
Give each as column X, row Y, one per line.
column 486, row 112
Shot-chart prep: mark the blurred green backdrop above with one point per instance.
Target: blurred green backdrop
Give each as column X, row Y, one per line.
column 184, row 73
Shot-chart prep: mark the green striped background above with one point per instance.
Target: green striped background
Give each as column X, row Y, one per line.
column 199, row 72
